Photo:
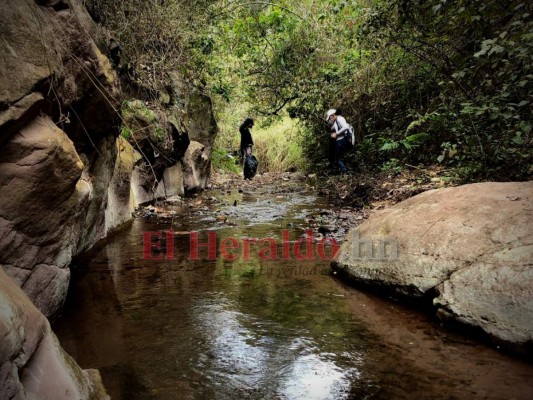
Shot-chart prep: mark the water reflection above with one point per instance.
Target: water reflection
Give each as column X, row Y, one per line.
column 181, row 329
column 312, row 377
column 232, row 357
column 243, row 353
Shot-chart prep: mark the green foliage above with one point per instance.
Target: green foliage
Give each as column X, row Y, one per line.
column 422, row 82
column 449, row 152
column 278, row 146
column 469, row 74
column 125, row 132
column 222, row 159
column 469, row 171
column 138, row 110
column 154, row 37
column 277, row 143
column 160, row 133
column 408, row 143
column 393, row 165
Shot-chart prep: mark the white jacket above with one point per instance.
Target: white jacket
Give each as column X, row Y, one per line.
column 341, row 127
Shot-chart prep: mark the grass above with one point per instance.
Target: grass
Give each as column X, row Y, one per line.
column 126, row 133
column 277, row 147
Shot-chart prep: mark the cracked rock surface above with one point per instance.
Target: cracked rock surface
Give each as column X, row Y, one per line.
column 470, row 247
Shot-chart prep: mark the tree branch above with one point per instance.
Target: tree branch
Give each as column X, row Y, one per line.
column 263, row 3
column 277, row 109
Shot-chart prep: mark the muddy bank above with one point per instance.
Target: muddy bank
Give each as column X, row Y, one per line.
column 378, row 190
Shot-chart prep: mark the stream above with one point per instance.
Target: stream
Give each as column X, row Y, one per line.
column 258, row 328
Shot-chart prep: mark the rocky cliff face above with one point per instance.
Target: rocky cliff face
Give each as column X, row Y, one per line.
column 468, row 248
column 58, row 96
column 67, row 176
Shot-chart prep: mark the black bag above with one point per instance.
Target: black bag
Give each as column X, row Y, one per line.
column 349, row 135
column 250, row 167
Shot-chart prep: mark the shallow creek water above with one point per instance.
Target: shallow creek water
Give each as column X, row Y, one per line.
column 258, row 328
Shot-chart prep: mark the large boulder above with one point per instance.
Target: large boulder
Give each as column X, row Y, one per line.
column 175, row 139
column 195, row 111
column 196, row 164
column 120, row 197
column 32, row 364
column 145, row 189
column 171, row 184
column 42, row 201
column 62, row 174
column 470, row 248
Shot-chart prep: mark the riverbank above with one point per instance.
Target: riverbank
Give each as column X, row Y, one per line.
column 258, row 328
column 355, row 197
column 356, row 200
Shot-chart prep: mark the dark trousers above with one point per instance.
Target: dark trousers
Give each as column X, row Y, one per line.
column 243, row 152
column 340, row 146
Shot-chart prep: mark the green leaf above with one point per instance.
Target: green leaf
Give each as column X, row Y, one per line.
column 480, row 53
column 518, row 138
column 496, row 49
column 387, row 146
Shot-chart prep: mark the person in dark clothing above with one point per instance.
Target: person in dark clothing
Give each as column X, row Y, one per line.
column 246, row 136
column 249, row 162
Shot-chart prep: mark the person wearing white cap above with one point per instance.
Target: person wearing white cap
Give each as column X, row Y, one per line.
column 341, row 128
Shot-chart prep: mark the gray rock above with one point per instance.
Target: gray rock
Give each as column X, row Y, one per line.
column 470, row 245
column 196, row 167
column 171, row 184
column 32, row 364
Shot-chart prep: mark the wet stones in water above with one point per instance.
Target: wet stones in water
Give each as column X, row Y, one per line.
column 222, row 218
column 327, row 229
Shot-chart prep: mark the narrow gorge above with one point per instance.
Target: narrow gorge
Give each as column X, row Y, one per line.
column 69, row 177
column 136, row 262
